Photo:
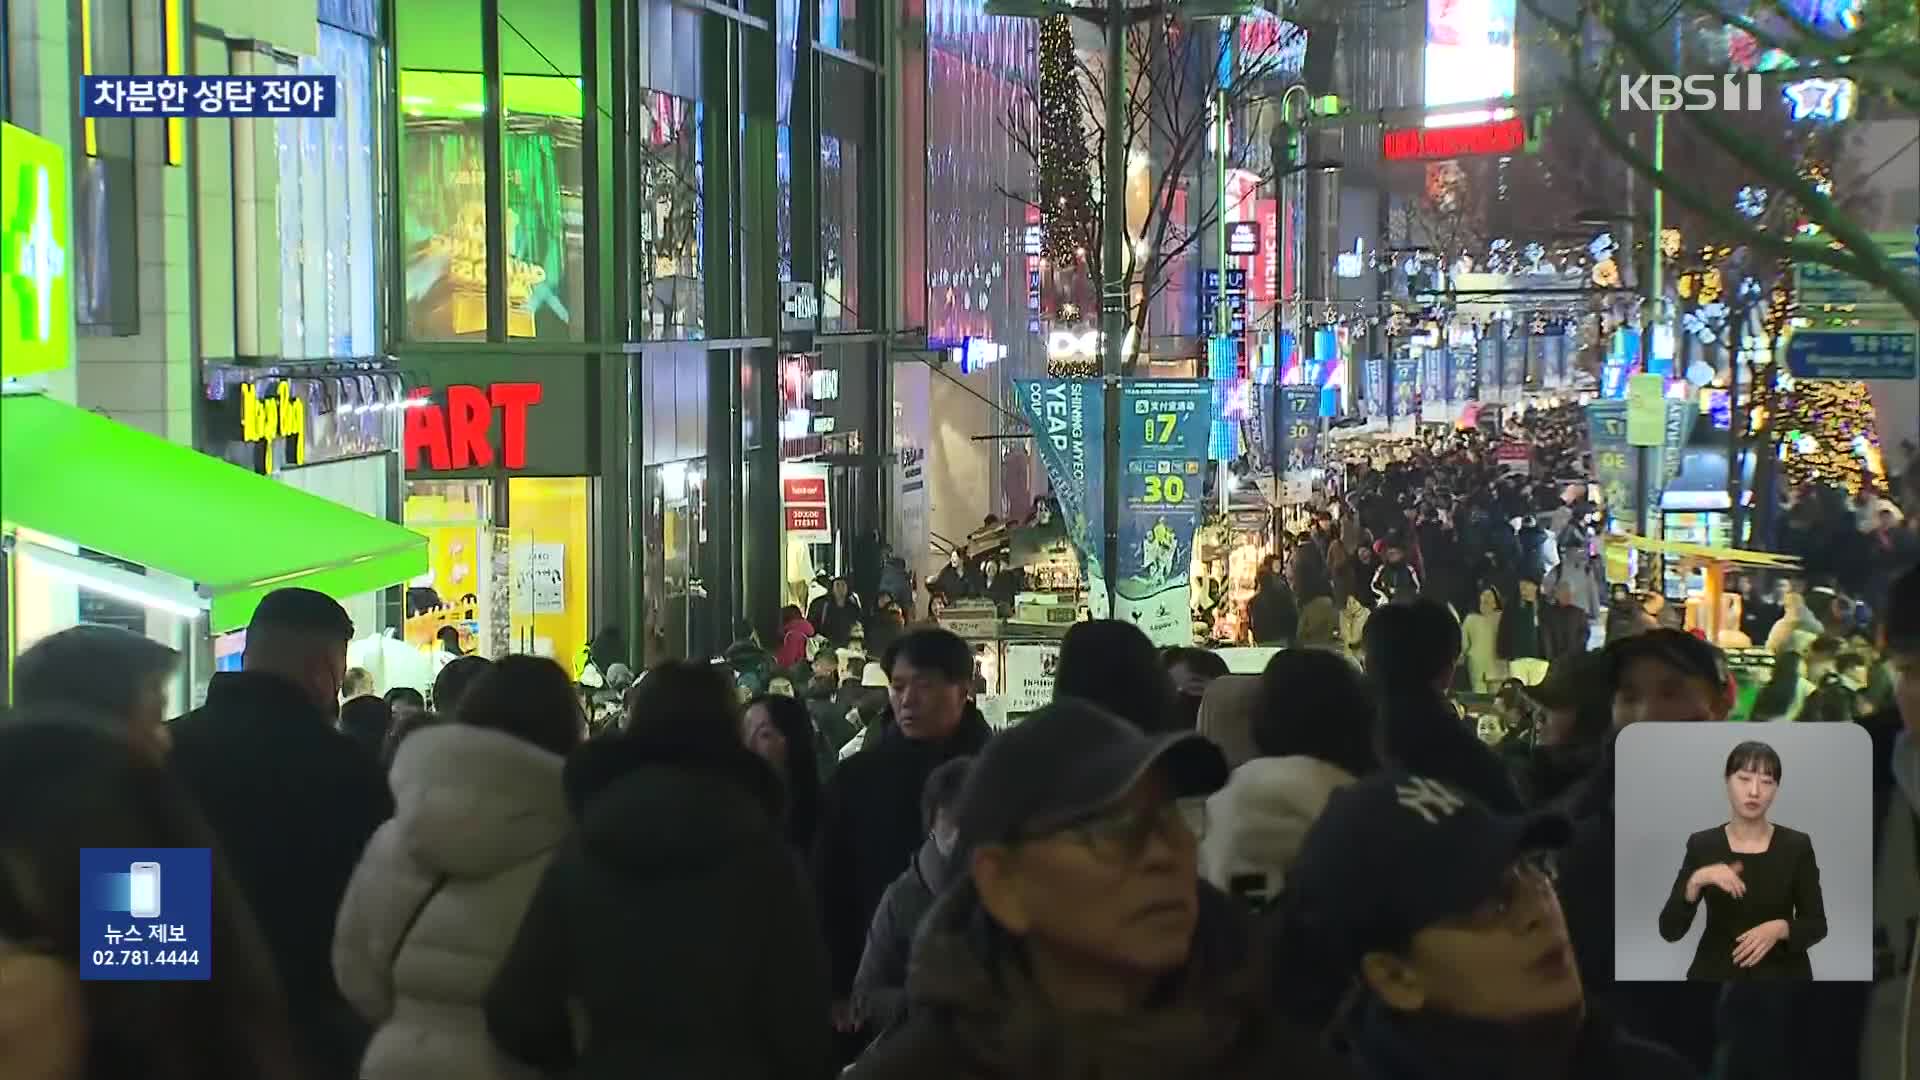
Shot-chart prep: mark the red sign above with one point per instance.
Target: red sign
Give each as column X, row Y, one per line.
column 803, row 489
column 1266, row 263
column 807, row 519
column 1512, row 451
column 1432, row 144
column 462, row 433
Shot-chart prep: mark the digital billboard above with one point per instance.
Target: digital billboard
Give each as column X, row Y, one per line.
column 1469, row 55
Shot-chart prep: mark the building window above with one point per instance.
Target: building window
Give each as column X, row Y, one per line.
column 442, row 164
column 846, row 168
column 785, row 54
column 841, row 26
column 669, row 221
column 106, row 232
column 328, row 288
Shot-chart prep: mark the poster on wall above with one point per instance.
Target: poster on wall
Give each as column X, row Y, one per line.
column 1069, row 422
column 1029, row 676
column 1164, row 428
column 803, row 503
column 539, row 579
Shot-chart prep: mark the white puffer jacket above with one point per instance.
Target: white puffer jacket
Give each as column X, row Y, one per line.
column 1256, row 823
column 480, row 812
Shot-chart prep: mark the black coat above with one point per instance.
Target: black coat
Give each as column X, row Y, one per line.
column 880, row 988
column 1601, row 1051
column 1272, row 614
column 835, row 621
column 675, row 921
column 292, row 802
column 870, row 828
column 1426, row 736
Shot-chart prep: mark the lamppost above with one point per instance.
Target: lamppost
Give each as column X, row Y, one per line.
column 1115, row 18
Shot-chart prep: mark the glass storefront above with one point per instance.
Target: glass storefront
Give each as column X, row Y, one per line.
column 509, row 566
column 443, row 170
column 328, row 289
column 678, row 616
column 669, row 221
column 847, row 175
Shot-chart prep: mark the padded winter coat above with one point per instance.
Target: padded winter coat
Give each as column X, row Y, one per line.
column 439, row 895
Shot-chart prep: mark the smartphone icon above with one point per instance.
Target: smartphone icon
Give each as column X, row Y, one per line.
column 143, row 898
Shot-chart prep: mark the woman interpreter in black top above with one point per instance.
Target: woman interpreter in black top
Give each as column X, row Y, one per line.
column 1759, row 879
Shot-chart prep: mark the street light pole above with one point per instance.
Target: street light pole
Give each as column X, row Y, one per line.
column 1113, row 287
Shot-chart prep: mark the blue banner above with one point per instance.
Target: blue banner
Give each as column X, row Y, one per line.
column 1406, row 389
column 1163, row 462
column 1466, row 376
column 1069, row 432
column 1377, row 400
column 1299, row 424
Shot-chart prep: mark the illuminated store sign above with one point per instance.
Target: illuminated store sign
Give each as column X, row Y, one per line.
column 1469, row 55
column 1243, row 238
column 36, row 312
column 477, row 427
column 279, row 415
column 1433, row 144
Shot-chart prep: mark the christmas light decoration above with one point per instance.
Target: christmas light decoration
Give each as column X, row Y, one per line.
column 1065, row 166
column 1751, row 202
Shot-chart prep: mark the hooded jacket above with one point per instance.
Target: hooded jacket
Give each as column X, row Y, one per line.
column 672, row 935
column 439, row 894
column 976, row 1015
column 1256, row 823
column 880, row 986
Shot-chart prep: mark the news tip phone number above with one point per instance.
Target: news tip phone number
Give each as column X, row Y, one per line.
column 146, row 958
column 119, row 96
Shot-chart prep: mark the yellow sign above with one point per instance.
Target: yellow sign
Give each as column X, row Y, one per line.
column 279, row 416
column 1646, row 410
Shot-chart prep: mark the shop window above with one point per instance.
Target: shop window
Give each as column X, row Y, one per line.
column 846, row 110
column 541, row 75
column 442, row 170
column 675, row 526
column 328, row 289
column 670, row 223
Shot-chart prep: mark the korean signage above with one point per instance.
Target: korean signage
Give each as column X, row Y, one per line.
column 272, row 423
column 1613, row 457
column 36, row 310
column 1164, row 428
column 1468, row 140
column 1030, row 670
column 1236, row 300
column 1068, row 418
column 146, row 914
column 1299, row 426
column 803, row 503
column 1514, row 457
column 1243, row 238
column 1840, row 354
column 1816, row 286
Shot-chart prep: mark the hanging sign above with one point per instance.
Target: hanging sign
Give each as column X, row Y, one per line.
column 1069, row 430
column 1299, row 426
column 36, row 314
column 1613, row 458
column 803, row 503
column 1243, row 238
column 1164, row 429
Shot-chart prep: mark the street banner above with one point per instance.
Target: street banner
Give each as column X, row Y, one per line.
column 1377, row 401
column 1299, row 426
column 1069, row 430
column 1466, row 377
column 1163, row 461
column 1613, row 457
column 1406, row 388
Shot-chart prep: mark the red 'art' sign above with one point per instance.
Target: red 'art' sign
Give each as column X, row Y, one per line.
column 1434, row 143
column 462, row 433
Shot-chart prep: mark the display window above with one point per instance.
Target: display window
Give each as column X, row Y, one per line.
column 676, row 534
column 508, row 568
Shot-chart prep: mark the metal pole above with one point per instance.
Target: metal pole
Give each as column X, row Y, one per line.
column 1113, row 285
column 1222, row 316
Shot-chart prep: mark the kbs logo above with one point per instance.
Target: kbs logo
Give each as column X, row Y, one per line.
column 1691, row 93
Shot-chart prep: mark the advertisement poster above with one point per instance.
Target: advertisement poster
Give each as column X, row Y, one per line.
column 1299, row 426
column 1406, row 388
column 539, row 579
column 912, row 434
column 1376, row 388
column 1164, row 426
column 1029, row 676
column 1466, row 377
column 1069, row 430
column 1612, row 456
column 803, row 503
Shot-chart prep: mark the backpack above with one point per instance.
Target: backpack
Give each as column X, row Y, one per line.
column 1832, row 702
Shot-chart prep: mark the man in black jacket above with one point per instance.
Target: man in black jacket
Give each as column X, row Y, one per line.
column 292, row 802
column 1411, row 651
column 870, row 811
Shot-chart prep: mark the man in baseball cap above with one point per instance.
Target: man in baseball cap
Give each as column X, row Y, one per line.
column 1445, row 917
column 1081, row 939
column 1668, row 675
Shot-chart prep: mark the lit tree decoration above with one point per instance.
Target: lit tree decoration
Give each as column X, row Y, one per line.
column 1751, row 202
column 1828, row 433
column 1606, row 274
column 1065, row 167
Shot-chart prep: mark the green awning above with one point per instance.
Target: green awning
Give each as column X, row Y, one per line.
column 235, row 535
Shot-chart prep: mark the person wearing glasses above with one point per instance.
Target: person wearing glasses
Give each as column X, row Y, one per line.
column 1759, row 880
column 1079, row 940
column 1444, row 928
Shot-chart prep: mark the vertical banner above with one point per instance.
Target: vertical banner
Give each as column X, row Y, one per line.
column 1163, row 455
column 1406, row 389
column 1466, row 376
column 1377, row 401
column 912, row 434
column 1612, row 457
column 1299, row 424
column 1069, row 430
column 1646, row 410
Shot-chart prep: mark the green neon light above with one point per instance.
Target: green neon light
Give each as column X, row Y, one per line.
column 36, row 298
column 456, row 94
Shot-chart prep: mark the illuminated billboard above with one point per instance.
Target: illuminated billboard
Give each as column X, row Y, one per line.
column 1469, row 56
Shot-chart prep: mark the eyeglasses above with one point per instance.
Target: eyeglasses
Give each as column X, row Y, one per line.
column 1122, row 836
column 1518, row 890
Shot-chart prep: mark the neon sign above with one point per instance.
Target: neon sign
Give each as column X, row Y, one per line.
column 461, row 434
column 1468, row 140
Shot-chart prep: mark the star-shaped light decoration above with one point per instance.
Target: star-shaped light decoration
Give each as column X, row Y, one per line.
column 1825, row 100
column 1538, row 326
column 1751, row 202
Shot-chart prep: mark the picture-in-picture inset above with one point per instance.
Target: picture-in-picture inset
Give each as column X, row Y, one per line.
column 1743, row 852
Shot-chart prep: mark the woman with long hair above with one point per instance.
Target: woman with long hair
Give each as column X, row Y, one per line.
column 780, row 732
column 66, row 785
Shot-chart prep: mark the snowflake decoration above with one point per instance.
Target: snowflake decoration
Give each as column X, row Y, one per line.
column 1602, row 247
column 1704, row 322
column 1751, row 202
column 1534, row 254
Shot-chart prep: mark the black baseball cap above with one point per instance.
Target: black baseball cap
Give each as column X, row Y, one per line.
column 1069, row 761
column 1675, row 648
column 1575, row 680
column 1394, row 853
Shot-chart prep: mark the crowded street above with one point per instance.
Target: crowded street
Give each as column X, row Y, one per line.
column 959, row 540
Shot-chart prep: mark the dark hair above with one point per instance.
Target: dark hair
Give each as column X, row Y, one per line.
column 931, row 649
column 1314, row 703
column 1824, row 646
column 530, row 698
column 366, row 720
column 942, row 789
column 451, row 684
column 1113, row 664
column 1848, row 661
column 685, row 702
column 404, row 726
column 64, row 786
column 802, row 772
column 1499, row 600
column 98, row 667
column 1200, row 661
column 1411, row 645
column 303, row 612
column 1755, row 756
column 1901, row 628
column 1783, row 687
column 449, row 639
column 406, row 695
column 790, row 613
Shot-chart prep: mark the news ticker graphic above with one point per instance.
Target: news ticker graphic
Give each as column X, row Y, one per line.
column 207, row 96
